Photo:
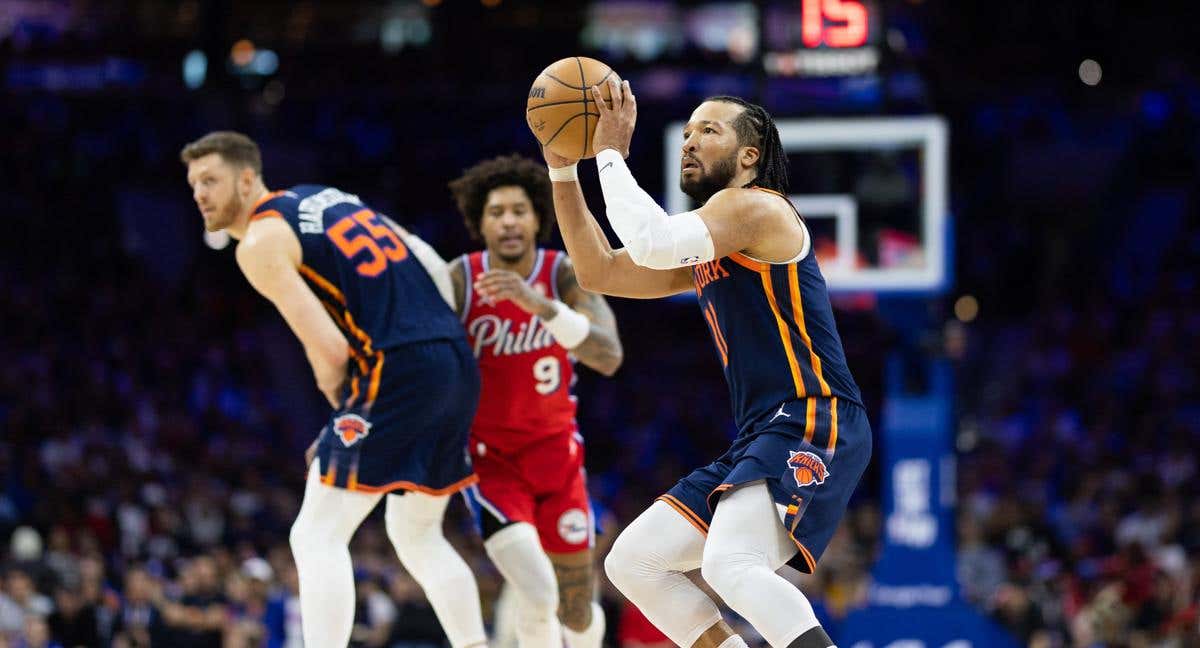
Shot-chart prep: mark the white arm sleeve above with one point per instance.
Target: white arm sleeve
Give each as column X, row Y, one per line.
column 434, row 265
column 652, row 238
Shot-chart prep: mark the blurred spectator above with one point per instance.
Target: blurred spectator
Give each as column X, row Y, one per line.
column 139, row 623
column 20, row 601
column 197, row 618
column 375, row 617
column 981, row 568
column 256, row 612
column 37, row 634
column 415, row 625
column 74, row 621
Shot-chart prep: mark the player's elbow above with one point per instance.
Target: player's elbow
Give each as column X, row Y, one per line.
column 589, row 279
column 611, row 362
column 609, row 369
column 337, row 356
column 330, row 362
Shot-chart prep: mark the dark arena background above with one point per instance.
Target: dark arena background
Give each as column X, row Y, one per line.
column 1004, row 200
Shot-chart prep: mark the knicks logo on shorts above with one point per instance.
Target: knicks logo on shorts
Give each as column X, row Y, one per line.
column 807, row 468
column 351, row 428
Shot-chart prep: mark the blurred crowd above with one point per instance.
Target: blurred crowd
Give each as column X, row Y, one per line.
column 1079, row 520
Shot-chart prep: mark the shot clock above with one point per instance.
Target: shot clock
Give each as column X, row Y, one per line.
column 822, row 38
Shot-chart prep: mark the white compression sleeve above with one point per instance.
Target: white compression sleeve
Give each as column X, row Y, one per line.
column 652, row 238
column 746, row 543
column 648, row 562
column 414, row 525
column 517, row 553
column 434, row 265
column 320, row 540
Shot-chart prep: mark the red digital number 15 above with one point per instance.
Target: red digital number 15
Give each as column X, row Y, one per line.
column 379, row 241
column 851, row 12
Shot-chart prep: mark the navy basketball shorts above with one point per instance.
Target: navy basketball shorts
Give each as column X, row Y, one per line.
column 405, row 423
column 811, row 453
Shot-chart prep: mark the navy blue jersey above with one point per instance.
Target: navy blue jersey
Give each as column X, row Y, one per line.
column 774, row 332
column 377, row 293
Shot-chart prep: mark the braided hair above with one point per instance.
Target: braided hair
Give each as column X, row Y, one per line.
column 754, row 127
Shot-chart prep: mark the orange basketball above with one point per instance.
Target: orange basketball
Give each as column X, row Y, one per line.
column 560, row 110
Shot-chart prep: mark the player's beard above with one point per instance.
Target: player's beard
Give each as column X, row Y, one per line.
column 710, row 182
column 513, row 259
column 226, row 215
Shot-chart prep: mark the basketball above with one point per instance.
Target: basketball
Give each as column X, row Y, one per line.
column 560, row 110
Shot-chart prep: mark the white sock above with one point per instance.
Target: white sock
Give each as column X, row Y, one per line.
column 734, row 641
column 414, row 525
column 518, row 555
column 320, row 540
column 592, row 636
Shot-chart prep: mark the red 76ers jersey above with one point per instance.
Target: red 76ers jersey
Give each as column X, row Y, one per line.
column 527, row 375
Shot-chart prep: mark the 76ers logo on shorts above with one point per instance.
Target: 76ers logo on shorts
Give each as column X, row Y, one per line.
column 573, row 526
column 807, row 468
column 351, row 428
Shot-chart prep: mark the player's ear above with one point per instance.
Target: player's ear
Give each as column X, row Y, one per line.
column 537, row 226
column 246, row 179
column 748, row 156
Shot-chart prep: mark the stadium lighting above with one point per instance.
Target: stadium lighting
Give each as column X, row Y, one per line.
column 1090, row 72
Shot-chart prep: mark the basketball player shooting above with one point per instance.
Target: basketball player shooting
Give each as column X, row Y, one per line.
column 803, row 438
column 527, row 321
column 354, row 288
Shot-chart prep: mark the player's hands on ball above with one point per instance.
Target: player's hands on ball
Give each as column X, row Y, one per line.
column 498, row 285
column 614, row 129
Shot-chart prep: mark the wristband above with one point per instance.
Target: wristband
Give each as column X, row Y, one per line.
column 568, row 326
column 564, row 174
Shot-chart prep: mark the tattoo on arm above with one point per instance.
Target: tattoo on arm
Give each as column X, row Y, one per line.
column 575, row 589
column 601, row 350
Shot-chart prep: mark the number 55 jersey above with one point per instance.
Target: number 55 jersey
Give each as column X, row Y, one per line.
column 525, row 443
column 411, row 385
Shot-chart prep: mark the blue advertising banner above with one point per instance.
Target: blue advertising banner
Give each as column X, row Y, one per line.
column 913, row 601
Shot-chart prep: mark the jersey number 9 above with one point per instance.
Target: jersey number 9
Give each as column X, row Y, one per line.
column 548, row 375
column 381, row 244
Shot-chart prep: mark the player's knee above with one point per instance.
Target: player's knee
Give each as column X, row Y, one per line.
column 615, row 565
column 296, row 539
column 409, row 533
column 308, row 537
column 724, row 571
column 627, row 561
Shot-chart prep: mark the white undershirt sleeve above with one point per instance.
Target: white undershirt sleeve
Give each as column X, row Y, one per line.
column 433, row 262
column 434, row 265
column 652, row 238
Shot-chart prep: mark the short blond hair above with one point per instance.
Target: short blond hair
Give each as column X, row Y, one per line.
column 233, row 147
